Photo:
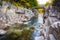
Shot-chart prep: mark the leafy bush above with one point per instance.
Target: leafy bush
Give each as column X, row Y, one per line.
column 16, row 33
column 0, row 3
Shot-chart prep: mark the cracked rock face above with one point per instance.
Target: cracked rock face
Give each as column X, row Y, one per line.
column 55, row 30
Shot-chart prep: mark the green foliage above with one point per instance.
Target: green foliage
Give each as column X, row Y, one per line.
column 24, row 3
column 0, row 2
column 16, row 33
column 33, row 3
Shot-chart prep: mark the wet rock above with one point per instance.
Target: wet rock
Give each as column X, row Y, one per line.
column 39, row 38
column 2, row 32
column 51, row 37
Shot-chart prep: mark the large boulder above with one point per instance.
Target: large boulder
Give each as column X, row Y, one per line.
column 55, row 30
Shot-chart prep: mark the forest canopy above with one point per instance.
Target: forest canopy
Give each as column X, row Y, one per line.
column 24, row 3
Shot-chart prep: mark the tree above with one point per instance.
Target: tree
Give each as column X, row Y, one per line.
column 24, row 3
